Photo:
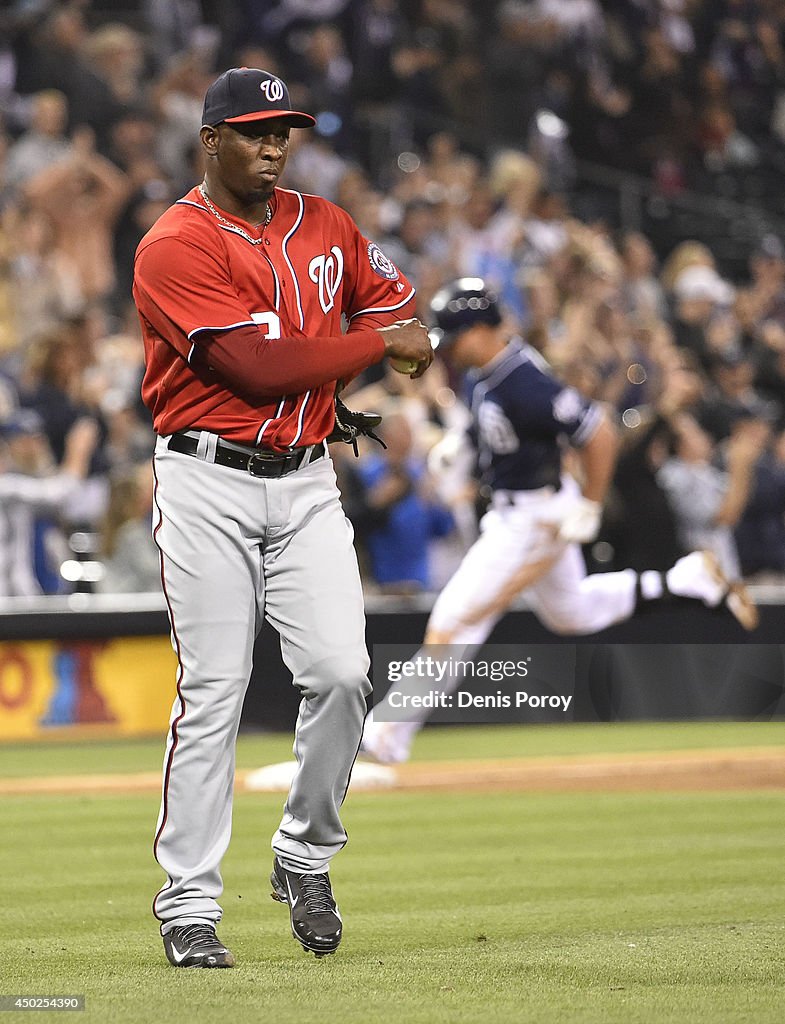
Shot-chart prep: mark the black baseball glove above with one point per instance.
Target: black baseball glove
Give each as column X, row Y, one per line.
column 351, row 425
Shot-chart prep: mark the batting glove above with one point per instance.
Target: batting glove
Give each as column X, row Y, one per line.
column 581, row 524
column 444, row 454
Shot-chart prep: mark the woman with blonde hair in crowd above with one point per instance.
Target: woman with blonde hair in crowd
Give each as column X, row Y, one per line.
column 686, row 254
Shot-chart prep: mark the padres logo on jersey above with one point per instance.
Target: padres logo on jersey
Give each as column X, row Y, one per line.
column 326, row 272
column 496, row 430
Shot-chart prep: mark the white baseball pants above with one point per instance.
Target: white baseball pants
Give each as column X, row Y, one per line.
column 234, row 549
column 515, row 534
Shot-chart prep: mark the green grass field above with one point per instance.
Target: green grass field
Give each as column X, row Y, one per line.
column 506, row 907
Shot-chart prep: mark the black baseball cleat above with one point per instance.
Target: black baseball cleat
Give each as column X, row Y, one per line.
column 196, row 945
column 316, row 921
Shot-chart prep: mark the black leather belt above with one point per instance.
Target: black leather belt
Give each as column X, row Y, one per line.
column 256, row 461
column 509, row 495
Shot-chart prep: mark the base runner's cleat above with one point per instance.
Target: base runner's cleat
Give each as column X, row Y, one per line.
column 196, row 945
column 699, row 575
column 386, row 742
column 315, row 919
column 740, row 604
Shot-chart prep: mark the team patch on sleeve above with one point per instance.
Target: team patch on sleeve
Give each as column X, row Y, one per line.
column 380, row 264
column 569, row 406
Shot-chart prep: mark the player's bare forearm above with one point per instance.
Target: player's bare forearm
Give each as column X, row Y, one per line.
column 79, row 447
column 598, row 460
column 736, row 496
column 744, row 448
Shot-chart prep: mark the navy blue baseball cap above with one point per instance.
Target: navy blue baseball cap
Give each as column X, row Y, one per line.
column 458, row 306
column 248, row 94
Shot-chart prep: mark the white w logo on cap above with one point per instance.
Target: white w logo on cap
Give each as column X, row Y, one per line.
column 273, row 89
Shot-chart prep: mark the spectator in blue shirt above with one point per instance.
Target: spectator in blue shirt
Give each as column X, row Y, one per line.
column 406, row 517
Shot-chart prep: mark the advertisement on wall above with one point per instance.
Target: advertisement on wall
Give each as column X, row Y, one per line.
column 113, row 687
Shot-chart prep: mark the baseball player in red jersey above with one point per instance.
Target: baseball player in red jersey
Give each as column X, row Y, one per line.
column 240, row 288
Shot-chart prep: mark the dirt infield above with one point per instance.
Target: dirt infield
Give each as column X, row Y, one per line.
column 691, row 770
column 758, row 768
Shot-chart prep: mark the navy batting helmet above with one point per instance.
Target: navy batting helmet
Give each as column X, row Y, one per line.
column 460, row 305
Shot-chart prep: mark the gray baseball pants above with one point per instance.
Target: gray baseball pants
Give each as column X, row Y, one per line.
column 234, row 549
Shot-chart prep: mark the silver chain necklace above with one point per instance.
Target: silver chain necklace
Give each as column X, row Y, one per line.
column 235, row 227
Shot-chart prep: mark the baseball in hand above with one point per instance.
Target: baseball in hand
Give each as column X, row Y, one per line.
column 405, row 365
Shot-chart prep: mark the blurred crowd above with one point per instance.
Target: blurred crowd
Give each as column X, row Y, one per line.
column 451, row 131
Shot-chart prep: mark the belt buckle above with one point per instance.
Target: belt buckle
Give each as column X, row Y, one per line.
column 265, row 457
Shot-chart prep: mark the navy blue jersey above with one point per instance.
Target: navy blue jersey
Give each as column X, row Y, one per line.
column 522, row 415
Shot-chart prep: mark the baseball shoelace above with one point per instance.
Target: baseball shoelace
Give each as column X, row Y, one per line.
column 317, row 894
column 198, row 937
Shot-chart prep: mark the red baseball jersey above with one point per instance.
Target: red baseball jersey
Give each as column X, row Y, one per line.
column 200, row 273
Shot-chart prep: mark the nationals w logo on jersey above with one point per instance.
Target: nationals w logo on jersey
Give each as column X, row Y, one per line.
column 326, row 272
